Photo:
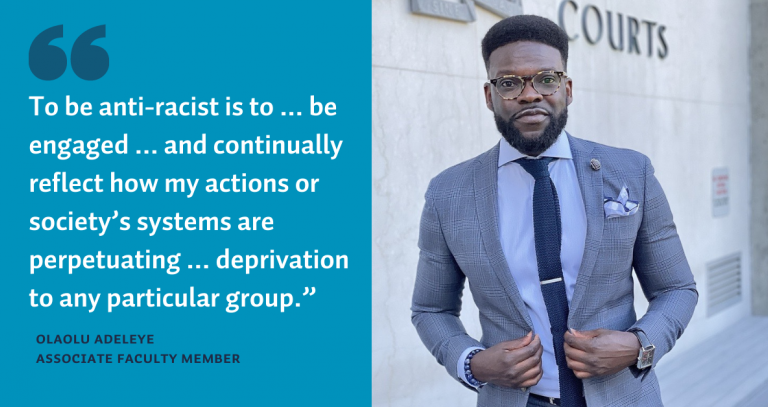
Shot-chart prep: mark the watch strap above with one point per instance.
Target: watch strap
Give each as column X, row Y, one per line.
column 642, row 337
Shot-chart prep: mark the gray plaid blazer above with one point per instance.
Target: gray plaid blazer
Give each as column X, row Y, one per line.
column 459, row 240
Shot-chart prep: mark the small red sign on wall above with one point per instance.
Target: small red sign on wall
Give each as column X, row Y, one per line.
column 720, row 192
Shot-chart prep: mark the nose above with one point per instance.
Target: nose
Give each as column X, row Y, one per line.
column 529, row 94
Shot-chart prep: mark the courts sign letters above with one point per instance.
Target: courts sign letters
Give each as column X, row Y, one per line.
column 642, row 36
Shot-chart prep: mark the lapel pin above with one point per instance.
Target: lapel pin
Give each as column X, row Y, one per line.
column 595, row 164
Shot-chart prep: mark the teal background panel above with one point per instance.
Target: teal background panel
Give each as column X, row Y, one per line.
column 282, row 52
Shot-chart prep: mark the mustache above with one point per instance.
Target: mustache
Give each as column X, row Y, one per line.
column 528, row 110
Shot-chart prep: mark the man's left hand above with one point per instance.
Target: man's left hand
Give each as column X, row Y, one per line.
column 600, row 352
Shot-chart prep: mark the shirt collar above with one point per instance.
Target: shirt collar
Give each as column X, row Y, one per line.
column 560, row 149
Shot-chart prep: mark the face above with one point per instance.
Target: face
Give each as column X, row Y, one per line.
column 531, row 122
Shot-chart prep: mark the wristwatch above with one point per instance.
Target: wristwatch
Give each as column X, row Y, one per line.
column 645, row 356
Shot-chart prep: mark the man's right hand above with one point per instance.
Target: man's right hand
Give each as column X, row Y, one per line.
column 510, row 364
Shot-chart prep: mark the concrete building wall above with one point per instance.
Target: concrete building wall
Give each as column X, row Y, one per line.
column 759, row 101
column 689, row 112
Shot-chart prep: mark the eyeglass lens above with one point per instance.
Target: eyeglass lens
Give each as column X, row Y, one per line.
column 546, row 83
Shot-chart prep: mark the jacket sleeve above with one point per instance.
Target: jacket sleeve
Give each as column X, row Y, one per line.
column 437, row 294
column 662, row 270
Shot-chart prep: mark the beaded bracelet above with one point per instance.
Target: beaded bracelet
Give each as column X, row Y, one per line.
column 468, row 372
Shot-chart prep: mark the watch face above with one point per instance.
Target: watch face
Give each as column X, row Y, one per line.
column 646, row 358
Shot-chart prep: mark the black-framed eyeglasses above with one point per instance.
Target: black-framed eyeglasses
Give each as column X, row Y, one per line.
column 546, row 83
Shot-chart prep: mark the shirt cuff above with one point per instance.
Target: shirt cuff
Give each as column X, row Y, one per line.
column 460, row 365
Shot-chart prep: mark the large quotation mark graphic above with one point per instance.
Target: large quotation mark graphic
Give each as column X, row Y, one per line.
column 89, row 62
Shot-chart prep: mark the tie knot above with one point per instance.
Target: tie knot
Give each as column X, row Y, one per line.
column 539, row 169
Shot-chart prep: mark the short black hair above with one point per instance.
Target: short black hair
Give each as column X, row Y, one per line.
column 525, row 28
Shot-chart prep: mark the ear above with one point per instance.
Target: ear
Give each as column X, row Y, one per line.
column 488, row 96
column 568, row 91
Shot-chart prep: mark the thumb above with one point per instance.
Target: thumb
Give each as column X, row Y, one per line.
column 519, row 342
column 584, row 334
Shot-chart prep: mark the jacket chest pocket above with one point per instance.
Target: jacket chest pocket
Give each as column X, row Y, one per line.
column 620, row 233
column 623, row 228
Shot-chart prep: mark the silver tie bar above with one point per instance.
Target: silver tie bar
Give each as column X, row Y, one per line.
column 554, row 280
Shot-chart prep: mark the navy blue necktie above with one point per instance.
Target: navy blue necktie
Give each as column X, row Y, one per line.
column 547, row 233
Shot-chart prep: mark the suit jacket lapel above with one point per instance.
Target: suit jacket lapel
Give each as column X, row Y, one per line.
column 487, row 203
column 591, row 183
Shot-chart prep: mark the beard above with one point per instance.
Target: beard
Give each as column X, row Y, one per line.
column 532, row 146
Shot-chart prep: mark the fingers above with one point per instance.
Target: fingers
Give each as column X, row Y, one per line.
column 531, row 350
column 578, row 361
column 525, row 364
column 576, row 354
column 582, row 374
column 535, row 343
column 577, row 340
column 528, row 357
column 580, row 368
column 536, row 379
column 578, row 334
column 588, row 334
column 518, row 343
column 532, row 375
column 576, row 365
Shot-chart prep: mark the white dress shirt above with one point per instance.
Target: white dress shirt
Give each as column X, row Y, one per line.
column 515, row 191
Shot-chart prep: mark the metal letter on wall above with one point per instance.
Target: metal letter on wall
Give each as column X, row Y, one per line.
column 465, row 11
column 503, row 8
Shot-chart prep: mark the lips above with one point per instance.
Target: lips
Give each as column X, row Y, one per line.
column 532, row 116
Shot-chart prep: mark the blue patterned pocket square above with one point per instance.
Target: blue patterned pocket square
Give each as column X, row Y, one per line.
column 621, row 206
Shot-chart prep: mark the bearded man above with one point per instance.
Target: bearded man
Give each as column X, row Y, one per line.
column 547, row 229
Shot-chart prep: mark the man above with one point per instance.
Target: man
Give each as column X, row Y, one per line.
column 547, row 229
